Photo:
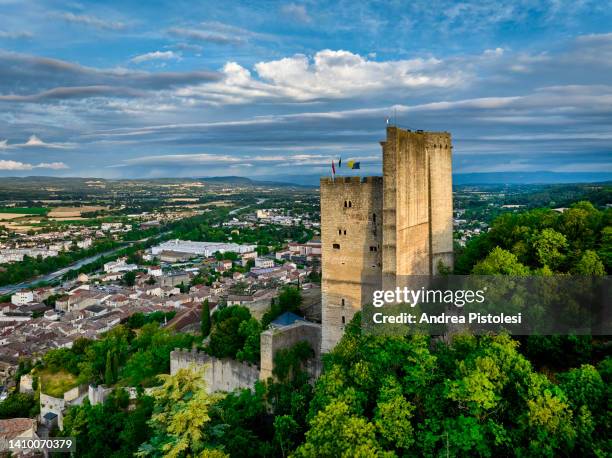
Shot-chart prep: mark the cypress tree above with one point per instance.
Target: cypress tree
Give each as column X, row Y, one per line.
column 205, row 320
column 108, row 370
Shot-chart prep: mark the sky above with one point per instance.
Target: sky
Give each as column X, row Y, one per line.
column 264, row 89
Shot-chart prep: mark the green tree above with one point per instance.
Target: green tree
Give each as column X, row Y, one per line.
column 589, row 264
column 338, row 432
column 549, row 246
column 205, row 319
column 181, row 413
column 500, row 262
column 129, row 278
column 109, row 377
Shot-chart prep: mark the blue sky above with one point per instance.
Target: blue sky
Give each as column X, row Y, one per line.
column 273, row 89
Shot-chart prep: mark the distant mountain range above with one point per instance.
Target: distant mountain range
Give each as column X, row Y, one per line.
column 482, row 178
column 496, row 178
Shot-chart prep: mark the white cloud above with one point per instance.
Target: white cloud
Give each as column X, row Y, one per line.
column 16, row 165
column 15, row 35
column 92, row 21
column 34, row 142
column 328, row 74
column 296, row 12
column 156, row 55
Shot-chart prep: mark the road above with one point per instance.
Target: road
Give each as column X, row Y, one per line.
column 236, row 210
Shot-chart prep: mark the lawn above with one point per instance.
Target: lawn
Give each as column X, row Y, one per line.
column 56, row 383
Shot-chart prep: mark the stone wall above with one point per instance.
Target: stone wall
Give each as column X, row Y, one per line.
column 220, row 374
column 275, row 339
column 98, row 394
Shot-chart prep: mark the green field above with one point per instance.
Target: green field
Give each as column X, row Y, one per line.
column 25, row 210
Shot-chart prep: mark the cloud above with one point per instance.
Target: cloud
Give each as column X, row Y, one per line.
column 156, row 55
column 34, row 142
column 91, row 21
column 296, row 12
column 328, row 74
column 15, row 35
column 205, row 36
column 26, row 78
column 16, row 165
column 76, row 92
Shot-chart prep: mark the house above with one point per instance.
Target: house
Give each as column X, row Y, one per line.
column 22, row 297
column 223, row 265
column 17, row 428
column 174, row 278
column 236, row 299
column 119, row 265
column 264, row 262
column 155, row 271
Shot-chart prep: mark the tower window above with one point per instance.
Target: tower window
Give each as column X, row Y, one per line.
column 345, row 203
column 350, row 204
column 344, row 231
column 373, row 248
column 342, row 302
column 343, row 319
column 339, row 231
column 373, row 217
column 336, row 246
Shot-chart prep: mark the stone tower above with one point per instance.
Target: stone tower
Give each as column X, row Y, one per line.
column 385, row 227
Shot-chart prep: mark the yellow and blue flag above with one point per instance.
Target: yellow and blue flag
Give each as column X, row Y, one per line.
column 353, row 165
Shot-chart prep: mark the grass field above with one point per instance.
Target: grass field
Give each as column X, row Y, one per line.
column 25, row 210
column 56, row 383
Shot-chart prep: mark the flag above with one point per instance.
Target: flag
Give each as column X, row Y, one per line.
column 333, row 168
column 353, row 165
column 339, row 162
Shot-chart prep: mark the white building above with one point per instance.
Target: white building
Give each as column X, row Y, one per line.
column 155, row 271
column 264, row 262
column 119, row 266
column 22, row 297
column 201, row 248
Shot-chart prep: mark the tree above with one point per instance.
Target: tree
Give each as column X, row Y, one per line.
column 500, row 262
column 108, row 371
column 181, row 413
column 225, row 338
column 129, row 278
column 285, row 428
column 205, row 319
column 338, row 432
column 250, row 331
column 589, row 264
column 548, row 246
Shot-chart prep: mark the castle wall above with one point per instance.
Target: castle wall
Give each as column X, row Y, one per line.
column 351, row 244
column 275, row 339
column 219, row 374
